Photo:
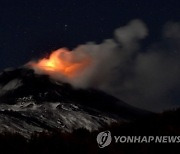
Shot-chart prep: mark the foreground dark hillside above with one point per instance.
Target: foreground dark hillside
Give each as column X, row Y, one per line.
column 82, row 141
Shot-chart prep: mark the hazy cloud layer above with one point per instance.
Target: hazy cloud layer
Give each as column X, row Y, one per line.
column 147, row 79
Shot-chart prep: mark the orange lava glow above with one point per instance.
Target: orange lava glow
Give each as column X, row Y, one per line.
column 64, row 62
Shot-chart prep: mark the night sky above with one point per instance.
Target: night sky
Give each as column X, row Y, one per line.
column 30, row 29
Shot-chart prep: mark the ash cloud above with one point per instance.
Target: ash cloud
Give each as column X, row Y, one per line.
column 147, row 79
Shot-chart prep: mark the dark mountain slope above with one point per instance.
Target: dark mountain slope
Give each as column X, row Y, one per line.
column 31, row 102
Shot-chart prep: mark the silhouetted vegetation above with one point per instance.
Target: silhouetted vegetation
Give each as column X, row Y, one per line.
column 83, row 141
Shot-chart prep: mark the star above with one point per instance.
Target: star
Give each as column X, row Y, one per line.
column 65, row 27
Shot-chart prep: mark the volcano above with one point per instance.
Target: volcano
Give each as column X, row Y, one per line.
column 30, row 103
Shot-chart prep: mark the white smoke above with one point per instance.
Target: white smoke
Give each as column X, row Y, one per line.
column 109, row 57
column 120, row 67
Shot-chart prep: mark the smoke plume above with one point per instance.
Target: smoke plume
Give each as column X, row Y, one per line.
column 120, row 66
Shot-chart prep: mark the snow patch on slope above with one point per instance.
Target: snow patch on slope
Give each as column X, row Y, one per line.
column 42, row 117
column 10, row 86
